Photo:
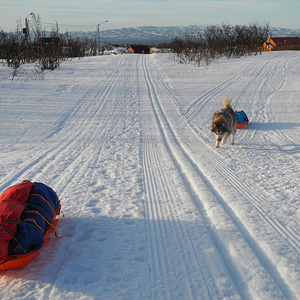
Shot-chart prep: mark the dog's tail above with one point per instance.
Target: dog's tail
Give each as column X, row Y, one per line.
column 226, row 102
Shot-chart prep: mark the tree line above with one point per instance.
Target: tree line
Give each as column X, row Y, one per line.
column 46, row 49
column 219, row 41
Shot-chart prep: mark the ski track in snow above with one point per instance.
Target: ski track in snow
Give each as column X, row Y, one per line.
column 152, row 210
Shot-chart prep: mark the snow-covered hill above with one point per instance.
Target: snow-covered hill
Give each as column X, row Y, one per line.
column 152, row 35
column 152, row 210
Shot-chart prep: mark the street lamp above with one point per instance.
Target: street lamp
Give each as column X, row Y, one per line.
column 27, row 27
column 99, row 35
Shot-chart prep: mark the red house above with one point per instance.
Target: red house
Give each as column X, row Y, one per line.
column 141, row 49
column 282, row 43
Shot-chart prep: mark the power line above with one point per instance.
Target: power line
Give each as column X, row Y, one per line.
column 65, row 25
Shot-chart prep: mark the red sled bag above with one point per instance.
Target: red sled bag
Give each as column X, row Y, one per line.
column 27, row 215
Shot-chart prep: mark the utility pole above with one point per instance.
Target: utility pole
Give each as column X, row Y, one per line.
column 27, row 34
column 98, row 31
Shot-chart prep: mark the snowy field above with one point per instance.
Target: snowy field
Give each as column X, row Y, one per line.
column 152, row 209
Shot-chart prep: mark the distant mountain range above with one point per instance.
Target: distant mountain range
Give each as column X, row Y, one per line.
column 152, row 35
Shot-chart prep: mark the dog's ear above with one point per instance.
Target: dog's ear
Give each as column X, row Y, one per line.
column 224, row 125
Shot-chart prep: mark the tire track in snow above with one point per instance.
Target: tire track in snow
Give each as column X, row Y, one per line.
column 193, row 110
column 254, row 201
column 156, row 222
column 83, row 175
column 82, row 131
column 280, row 68
column 197, row 254
column 163, row 221
column 51, row 151
column 265, row 71
column 263, row 264
column 286, row 235
column 266, row 111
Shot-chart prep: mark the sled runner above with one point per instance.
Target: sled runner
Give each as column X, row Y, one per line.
column 242, row 119
column 27, row 216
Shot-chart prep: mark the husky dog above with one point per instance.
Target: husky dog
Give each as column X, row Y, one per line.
column 224, row 123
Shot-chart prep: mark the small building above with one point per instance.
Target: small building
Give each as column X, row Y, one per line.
column 282, row 43
column 141, row 49
column 155, row 50
column 120, row 50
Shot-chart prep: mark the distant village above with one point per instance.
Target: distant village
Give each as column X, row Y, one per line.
column 134, row 49
column 271, row 44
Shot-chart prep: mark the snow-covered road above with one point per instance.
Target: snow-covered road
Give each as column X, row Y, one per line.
column 152, row 210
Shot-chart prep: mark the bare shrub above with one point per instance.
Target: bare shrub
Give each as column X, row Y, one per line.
column 46, row 49
column 219, row 41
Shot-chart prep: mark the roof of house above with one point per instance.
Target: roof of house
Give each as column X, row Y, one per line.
column 287, row 41
column 139, row 48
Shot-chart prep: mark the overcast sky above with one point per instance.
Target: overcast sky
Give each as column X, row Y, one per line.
column 86, row 14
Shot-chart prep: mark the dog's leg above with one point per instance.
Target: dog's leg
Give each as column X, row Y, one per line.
column 224, row 139
column 232, row 138
column 218, row 142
